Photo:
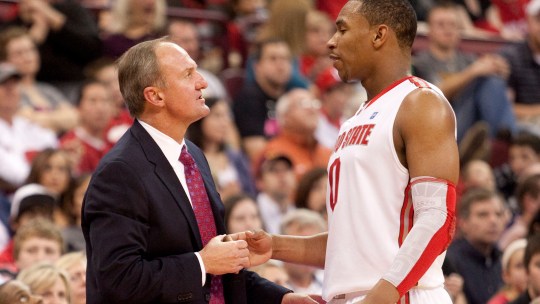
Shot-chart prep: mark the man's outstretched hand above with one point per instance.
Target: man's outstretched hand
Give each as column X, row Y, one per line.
column 259, row 245
column 298, row 298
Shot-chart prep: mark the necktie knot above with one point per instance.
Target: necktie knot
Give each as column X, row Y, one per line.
column 185, row 158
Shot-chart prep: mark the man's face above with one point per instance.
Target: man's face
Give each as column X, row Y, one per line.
column 274, row 66
column 278, row 179
column 485, row 222
column 96, row 107
column 35, row 250
column 302, row 116
column 182, row 94
column 23, row 54
column 444, row 29
column 350, row 47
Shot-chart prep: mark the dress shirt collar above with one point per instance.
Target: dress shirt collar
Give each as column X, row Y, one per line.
column 169, row 146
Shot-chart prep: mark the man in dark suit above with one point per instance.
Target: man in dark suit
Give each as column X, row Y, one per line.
column 147, row 241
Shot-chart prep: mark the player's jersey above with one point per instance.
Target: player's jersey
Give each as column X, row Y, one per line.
column 367, row 209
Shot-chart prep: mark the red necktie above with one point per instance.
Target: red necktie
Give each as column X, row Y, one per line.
column 203, row 214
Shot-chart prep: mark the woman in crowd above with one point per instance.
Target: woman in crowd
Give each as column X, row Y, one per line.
column 74, row 265
column 241, row 214
column 47, row 281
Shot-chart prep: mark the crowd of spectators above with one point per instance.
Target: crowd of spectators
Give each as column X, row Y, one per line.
column 276, row 106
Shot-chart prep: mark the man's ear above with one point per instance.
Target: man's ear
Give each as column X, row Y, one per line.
column 380, row 35
column 154, row 96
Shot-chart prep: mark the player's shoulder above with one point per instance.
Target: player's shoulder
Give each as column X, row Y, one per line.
column 425, row 99
column 426, row 106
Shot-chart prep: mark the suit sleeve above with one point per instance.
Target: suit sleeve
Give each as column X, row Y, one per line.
column 116, row 226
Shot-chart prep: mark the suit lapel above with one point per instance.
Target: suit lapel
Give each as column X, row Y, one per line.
column 165, row 173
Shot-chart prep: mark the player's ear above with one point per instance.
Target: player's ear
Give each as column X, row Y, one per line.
column 380, row 34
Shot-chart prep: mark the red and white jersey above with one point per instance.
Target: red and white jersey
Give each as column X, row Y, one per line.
column 366, row 198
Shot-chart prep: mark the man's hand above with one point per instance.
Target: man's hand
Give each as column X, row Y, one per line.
column 296, row 298
column 259, row 245
column 221, row 257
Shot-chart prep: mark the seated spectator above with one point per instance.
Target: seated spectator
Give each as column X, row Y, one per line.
column 528, row 199
column 51, row 168
column 531, row 261
column 287, row 21
column 88, row 141
column 37, row 241
column 30, row 202
column 475, row 256
column 133, row 22
column 20, row 138
column 242, row 214
column 74, row 265
column 48, row 282
column 475, row 87
column 525, row 70
column 478, row 173
column 15, row 291
column 255, row 105
column 104, row 70
column 297, row 116
column 514, row 273
column 303, row 222
column 311, row 191
column 276, row 183
column 185, row 34
column 67, row 39
column 41, row 103
column 212, row 134
column 523, row 153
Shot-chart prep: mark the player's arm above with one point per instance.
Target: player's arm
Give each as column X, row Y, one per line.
column 424, row 136
column 307, row 250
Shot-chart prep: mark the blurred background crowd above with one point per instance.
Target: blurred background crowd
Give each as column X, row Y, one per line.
column 276, row 106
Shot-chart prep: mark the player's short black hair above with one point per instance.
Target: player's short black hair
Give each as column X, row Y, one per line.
column 399, row 15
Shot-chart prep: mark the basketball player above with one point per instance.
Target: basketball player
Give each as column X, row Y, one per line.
column 391, row 193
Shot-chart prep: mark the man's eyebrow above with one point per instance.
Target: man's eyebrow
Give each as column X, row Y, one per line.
column 340, row 22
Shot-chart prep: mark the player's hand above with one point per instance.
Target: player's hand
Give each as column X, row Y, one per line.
column 298, row 298
column 259, row 245
column 221, row 257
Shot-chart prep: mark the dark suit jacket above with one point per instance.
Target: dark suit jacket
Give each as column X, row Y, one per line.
column 141, row 232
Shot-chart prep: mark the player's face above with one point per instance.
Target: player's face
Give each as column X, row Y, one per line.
column 350, row 46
